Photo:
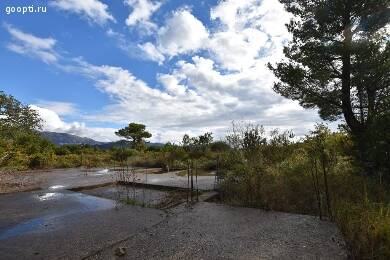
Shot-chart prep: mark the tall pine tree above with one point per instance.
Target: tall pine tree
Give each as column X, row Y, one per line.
column 339, row 62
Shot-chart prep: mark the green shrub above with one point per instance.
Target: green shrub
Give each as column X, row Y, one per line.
column 366, row 227
column 294, row 181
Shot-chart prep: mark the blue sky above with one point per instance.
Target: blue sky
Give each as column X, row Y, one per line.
column 91, row 66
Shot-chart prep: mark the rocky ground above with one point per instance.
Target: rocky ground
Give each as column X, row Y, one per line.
column 21, row 181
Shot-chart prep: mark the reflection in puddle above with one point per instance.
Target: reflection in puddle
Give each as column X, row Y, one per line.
column 154, row 180
column 91, row 203
column 49, row 196
column 56, row 187
column 78, row 203
column 103, row 171
column 22, row 228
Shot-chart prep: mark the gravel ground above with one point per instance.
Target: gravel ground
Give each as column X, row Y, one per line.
column 214, row 231
column 22, row 181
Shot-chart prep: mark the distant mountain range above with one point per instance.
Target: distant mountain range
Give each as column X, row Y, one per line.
column 64, row 138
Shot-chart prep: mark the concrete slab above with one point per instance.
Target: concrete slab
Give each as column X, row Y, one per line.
column 172, row 179
column 60, row 179
column 214, row 231
column 65, row 224
column 56, row 223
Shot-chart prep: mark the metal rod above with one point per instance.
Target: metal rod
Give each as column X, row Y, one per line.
column 196, row 181
column 192, row 181
column 188, row 180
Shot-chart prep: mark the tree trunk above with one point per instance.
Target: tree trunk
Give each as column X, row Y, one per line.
column 359, row 129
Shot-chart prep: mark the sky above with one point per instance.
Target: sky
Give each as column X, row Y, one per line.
column 90, row 67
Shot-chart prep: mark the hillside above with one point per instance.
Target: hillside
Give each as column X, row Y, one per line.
column 64, row 138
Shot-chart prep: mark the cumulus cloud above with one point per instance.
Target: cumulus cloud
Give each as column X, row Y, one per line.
column 140, row 17
column 243, row 33
column 248, row 32
column 208, row 91
column 152, row 52
column 195, row 97
column 51, row 121
column 182, row 33
column 31, row 45
column 93, row 10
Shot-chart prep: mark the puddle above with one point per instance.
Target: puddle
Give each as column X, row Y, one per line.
column 120, row 193
column 22, row 228
column 91, row 203
column 84, row 203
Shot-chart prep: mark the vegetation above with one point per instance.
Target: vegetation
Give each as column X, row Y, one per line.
column 136, row 134
column 339, row 62
column 316, row 175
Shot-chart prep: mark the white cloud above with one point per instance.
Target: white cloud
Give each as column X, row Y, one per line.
column 205, row 93
column 249, row 31
column 182, row 33
column 195, row 97
column 61, row 108
column 266, row 15
column 131, row 49
column 152, row 52
column 142, row 10
column 31, row 45
column 244, row 33
column 93, row 10
column 53, row 123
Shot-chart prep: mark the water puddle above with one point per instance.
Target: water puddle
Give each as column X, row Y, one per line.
column 22, row 228
column 91, row 203
column 79, row 203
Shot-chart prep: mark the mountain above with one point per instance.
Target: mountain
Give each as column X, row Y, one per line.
column 64, row 138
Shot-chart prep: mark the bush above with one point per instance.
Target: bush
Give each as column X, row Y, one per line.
column 366, row 227
column 315, row 176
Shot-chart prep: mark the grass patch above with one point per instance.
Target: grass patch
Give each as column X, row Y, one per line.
column 367, row 229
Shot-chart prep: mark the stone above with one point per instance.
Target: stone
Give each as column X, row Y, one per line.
column 120, row 251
